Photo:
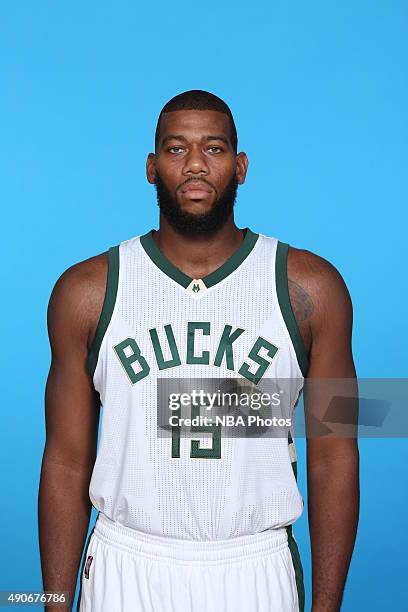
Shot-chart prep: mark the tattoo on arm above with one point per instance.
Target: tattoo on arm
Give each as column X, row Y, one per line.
column 301, row 302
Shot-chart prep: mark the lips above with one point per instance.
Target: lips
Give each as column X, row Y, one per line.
column 198, row 186
column 196, row 190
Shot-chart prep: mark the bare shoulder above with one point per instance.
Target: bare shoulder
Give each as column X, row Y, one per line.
column 317, row 292
column 77, row 297
column 315, row 273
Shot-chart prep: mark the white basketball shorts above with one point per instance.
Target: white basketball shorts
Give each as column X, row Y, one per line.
column 129, row 571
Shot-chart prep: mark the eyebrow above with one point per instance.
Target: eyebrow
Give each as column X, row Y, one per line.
column 218, row 137
column 207, row 138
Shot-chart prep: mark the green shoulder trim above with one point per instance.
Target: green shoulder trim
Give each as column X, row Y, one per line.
column 107, row 308
column 282, row 289
column 297, row 564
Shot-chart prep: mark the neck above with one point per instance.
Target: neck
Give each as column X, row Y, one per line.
column 198, row 256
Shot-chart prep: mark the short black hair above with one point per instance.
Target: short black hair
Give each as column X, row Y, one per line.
column 197, row 99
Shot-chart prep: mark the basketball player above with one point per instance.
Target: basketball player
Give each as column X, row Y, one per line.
column 189, row 524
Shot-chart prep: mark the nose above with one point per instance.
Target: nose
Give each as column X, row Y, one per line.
column 195, row 163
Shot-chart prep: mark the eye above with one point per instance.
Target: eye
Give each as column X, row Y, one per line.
column 171, row 149
column 218, row 149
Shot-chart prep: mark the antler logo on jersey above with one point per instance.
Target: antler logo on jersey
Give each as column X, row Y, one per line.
column 196, row 286
column 136, row 366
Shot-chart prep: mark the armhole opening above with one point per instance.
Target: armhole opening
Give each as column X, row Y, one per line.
column 107, row 308
column 282, row 290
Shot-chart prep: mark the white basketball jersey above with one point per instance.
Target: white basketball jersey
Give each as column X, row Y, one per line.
column 158, row 323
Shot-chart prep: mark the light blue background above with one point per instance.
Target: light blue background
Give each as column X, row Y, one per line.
column 319, row 93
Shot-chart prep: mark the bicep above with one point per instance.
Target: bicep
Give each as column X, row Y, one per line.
column 71, row 402
column 331, row 349
column 331, row 402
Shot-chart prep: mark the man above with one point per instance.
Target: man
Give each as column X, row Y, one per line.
column 186, row 523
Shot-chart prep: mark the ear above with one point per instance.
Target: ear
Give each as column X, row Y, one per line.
column 151, row 168
column 242, row 167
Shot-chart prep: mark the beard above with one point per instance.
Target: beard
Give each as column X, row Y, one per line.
column 189, row 224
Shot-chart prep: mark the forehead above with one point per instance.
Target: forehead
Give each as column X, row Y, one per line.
column 194, row 124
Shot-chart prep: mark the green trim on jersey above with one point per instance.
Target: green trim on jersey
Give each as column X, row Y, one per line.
column 162, row 262
column 297, row 565
column 294, row 550
column 107, row 308
column 234, row 261
column 211, row 279
column 282, row 289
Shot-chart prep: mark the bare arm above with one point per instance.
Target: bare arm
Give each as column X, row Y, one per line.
column 72, row 413
column 332, row 462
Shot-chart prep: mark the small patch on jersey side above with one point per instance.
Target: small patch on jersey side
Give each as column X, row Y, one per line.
column 196, row 287
column 88, row 566
column 292, row 452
